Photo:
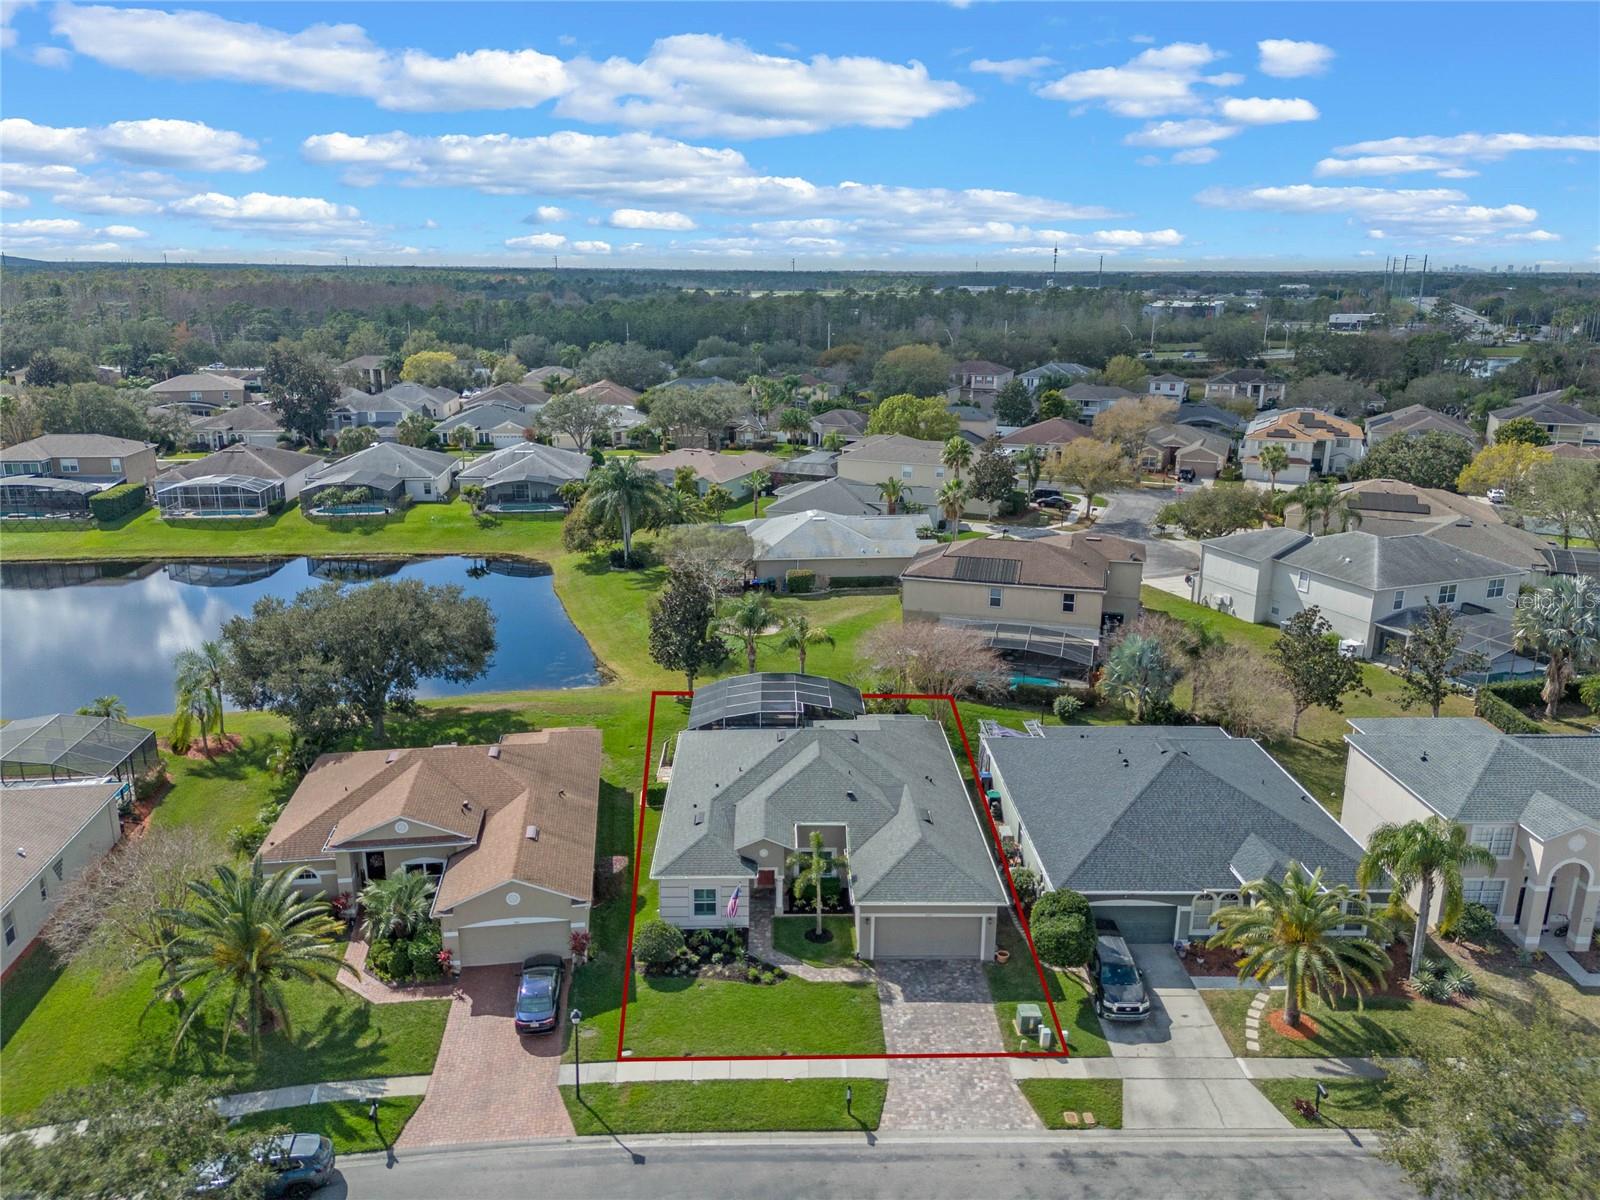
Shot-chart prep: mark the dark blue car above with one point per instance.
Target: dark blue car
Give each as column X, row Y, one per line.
column 539, row 994
column 300, row 1163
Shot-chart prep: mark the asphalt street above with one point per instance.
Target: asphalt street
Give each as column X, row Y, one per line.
column 1086, row 1166
column 1130, row 515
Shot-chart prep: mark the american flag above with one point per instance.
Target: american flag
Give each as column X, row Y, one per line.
column 733, row 902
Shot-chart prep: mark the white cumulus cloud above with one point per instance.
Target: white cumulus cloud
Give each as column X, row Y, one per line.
column 1447, row 156
column 1283, row 58
column 1153, row 83
column 538, row 241
column 1259, row 111
column 643, row 218
column 159, row 142
column 592, row 247
column 545, row 214
column 13, row 199
column 1195, row 132
column 1444, row 213
column 1012, row 69
column 267, row 213
column 1198, row 156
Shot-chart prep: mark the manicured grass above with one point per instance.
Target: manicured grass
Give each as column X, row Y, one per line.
column 727, row 1106
column 701, row 1017
column 1017, row 982
column 789, row 935
column 1386, row 1027
column 30, row 982
column 343, row 1122
column 1351, row 1103
column 1052, row 1097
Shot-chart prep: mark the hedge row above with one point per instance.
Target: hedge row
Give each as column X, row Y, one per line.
column 1503, row 704
column 117, row 501
column 840, row 582
column 1501, row 715
column 799, row 581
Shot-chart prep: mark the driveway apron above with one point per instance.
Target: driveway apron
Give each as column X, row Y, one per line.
column 940, row 1005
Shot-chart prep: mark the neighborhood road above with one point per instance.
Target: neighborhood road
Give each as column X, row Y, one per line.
column 1130, row 515
column 1086, row 1166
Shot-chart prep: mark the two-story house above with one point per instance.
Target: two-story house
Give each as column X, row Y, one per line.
column 370, row 371
column 199, row 395
column 1567, row 424
column 978, row 381
column 55, row 475
column 1317, row 443
column 1371, row 589
column 1169, row 387
column 918, row 465
column 1094, row 398
column 1416, row 419
column 1054, row 374
column 1261, row 388
column 383, row 412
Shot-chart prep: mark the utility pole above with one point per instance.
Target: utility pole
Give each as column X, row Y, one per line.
column 830, row 333
column 1100, row 273
column 1424, row 281
column 556, row 259
column 1055, row 255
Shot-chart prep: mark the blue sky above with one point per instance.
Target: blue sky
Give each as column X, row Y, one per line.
column 903, row 135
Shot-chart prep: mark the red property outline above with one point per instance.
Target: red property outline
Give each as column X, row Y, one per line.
column 994, row 831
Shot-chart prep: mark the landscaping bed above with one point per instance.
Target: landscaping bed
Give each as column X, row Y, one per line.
column 1052, row 1099
column 726, row 1106
column 716, row 954
column 1386, row 1027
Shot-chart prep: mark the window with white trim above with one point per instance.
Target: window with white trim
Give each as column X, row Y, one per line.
column 60, row 868
column 1496, row 839
column 994, row 597
column 116, row 466
column 1497, row 588
column 69, row 466
column 1302, row 581
column 1491, row 893
column 705, row 902
column 907, row 472
column 1447, row 593
column 431, row 867
column 1069, row 601
column 1399, row 601
column 307, row 875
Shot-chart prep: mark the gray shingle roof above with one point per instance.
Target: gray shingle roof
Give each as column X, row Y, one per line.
column 246, row 416
column 913, row 833
column 529, row 462
column 483, row 417
column 43, row 821
column 896, row 448
column 257, row 462
column 819, row 535
column 1376, row 563
column 1545, row 406
column 1467, row 770
column 72, row 445
column 381, row 465
column 1190, row 807
column 847, row 497
column 1258, row 545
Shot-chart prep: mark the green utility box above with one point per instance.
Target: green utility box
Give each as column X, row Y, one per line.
column 1029, row 1020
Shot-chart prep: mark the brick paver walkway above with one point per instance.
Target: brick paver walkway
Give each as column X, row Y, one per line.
column 489, row 1083
column 933, row 1005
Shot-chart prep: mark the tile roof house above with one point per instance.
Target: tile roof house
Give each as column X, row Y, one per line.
column 508, row 831
column 238, row 480
column 603, row 391
column 885, row 790
column 710, row 467
column 248, row 423
column 1158, row 827
column 834, row 546
column 1317, row 443
column 1044, row 600
column 1261, row 388
column 525, row 473
column 1532, row 800
column 1565, row 423
column 1051, row 434
column 387, row 471
column 1416, row 418
column 1368, row 587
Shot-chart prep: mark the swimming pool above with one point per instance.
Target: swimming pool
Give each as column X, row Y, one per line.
column 1034, row 681
column 351, row 510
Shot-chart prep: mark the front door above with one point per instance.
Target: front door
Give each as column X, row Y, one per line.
column 766, row 878
column 376, row 868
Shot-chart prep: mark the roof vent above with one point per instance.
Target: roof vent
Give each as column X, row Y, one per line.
column 393, row 754
column 531, row 833
column 494, row 751
column 856, row 738
column 850, row 796
column 1125, row 762
column 699, row 818
column 1424, row 756
column 926, row 814
column 466, row 806
column 21, row 853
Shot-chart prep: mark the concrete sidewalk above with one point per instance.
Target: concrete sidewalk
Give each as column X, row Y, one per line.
column 321, row 1093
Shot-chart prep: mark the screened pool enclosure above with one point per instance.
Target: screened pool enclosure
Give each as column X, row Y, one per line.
column 219, row 496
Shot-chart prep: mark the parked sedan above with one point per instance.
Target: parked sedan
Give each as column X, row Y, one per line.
column 300, row 1163
column 539, row 994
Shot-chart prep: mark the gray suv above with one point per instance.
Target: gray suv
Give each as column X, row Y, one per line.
column 1119, row 991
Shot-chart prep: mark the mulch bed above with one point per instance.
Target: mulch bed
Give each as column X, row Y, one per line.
column 220, row 746
column 1304, row 1031
column 1589, row 960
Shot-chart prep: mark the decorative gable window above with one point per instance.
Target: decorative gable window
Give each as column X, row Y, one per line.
column 1302, row 581
column 1496, row 839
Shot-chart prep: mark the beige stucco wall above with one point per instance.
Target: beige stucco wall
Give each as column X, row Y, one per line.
column 493, row 905
column 677, row 903
column 930, row 599
column 852, row 465
column 29, row 911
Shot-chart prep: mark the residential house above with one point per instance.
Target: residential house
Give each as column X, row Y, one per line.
column 848, row 423
column 1318, row 443
column 199, row 395
column 806, row 468
column 1209, row 416
column 54, row 833
column 973, row 422
column 239, row 480
column 88, row 456
column 1170, row 449
column 386, row 472
column 1054, row 374
column 1567, row 424
column 835, row 547
column 508, row 832
column 710, row 467
column 525, row 475
column 497, row 425
column 1094, row 398
column 605, row 392
column 385, row 411
column 1158, row 827
column 1416, row 418
column 1170, row 387
column 845, row 497
column 252, row 424
column 524, row 397
column 917, row 464
column 1052, row 436
column 883, row 791
column 370, row 370
column 1531, row 800
column 1042, row 602
column 540, row 376
column 978, row 381
column 73, row 748
column 1370, row 588
column 1261, row 388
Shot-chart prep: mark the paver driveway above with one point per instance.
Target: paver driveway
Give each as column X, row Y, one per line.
column 489, row 1083
column 933, row 1005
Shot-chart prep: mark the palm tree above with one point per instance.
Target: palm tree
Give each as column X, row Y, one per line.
column 747, row 620
column 717, row 501
column 624, row 492
column 833, row 442
column 1199, row 642
column 1559, row 622
column 1140, row 673
column 678, row 508
column 1273, row 459
column 799, row 632
column 892, row 491
column 105, row 706
column 814, row 865
column 202, row 708
column 795, row 423
column 397, row 906
column 1428, row 853
column 243, row 936
column 759, row 482
column 1032, row 461
column 203, row 670
column 957, row 455
column 1289, row 929
column 952, row 500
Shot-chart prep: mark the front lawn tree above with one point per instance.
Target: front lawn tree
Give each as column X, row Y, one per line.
column 957, row 455
column 624, row 495
column 758, row 482
column 204, row 669
column 892, row 492
column 1014, row 404
column 1504, row 465
column 1433, row 460
column 1031, row 461
column 1274, row 461
column 398, row 906
column 577, row 417
column 681, row 617
column 1560, row 623
column 1313, row 666
column 1522, row 429
column 415, row 429
column 812, row 866
column 1091, row 466
column 1290, row 930
column 657, row 943
column 1429, row 855
column 1432, row 661
column 994, row 477
column 1062, row 926
column 1212, row 512
column 952, row 501
column 333, row 659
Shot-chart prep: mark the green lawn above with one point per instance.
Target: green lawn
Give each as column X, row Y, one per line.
column 1017, row 982
column 343, row 1122
column 727, row 1106
column 1052, row 1097
column 1351, row 1103
column 1386, row 1027
column 789, row 935
column 671, row 1016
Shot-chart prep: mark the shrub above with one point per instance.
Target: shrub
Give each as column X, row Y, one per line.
column 1442, row 980
column 1027, row 884
column 1589, row 693
column 579, row 944
column 643, row 555
column 117, row 501
column 656, row 942
column 1034, row 695
column 1501, row 715
column 1063, row 928
column 380, row 959
column 799, row 581
column 836, row 582
column 423, row 952
column 1474, row 925
column 247, row 839
column 1066, row 707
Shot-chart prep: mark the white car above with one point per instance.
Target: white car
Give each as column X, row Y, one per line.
column 1497, row 495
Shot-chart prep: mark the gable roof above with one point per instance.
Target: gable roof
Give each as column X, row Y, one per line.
column 896, row 448
column 529, row 462
column 813, row 534
column 1153, row 809
column 1067, row 370
column 712, row 465
column 1097, row 391
column 1246, row 375
column 72, row 445
column 841, row 420
column 847, row 497
column 1258, row 545
column 204, row 381
column 510, row 395
column 1467, row 770
column 1418, row 418
column 1196, row 414
column 1166, row 377
column 1064, row 560
column 42, row 821
column 257, row 462
column 980, row 366
column 541, row 374
column 604, row 391
column 362, row 362
column 1055, row 431
column 484, row 416
column 382, row 465
column 1302, row 425
column 891, row 780
column 246, row 416
column 1188, row 437
column 1547, row 407
column 1379, row 563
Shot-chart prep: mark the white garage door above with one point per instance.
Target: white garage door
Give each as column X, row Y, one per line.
column 483, row 945
column 928, row 937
